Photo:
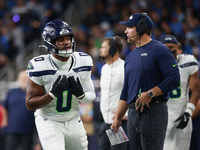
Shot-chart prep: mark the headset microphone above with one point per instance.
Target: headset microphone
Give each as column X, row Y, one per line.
column 132, row 36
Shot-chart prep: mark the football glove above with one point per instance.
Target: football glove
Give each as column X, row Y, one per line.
column 183, row 120
column 60, row 85
column 75, row 87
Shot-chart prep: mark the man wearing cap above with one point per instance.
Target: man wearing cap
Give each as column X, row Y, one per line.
column 180, row 106
column 151, row 71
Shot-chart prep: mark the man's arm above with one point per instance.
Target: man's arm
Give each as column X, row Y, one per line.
column 194, row 87
column 196, row 112
column 122, row 108
column 88, row 88
column 35, row 97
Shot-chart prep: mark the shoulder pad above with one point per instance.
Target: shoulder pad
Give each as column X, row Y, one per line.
column 82, row 58
column 39, row 66
column 38, row 63
column 187, row 58
column 82, row 62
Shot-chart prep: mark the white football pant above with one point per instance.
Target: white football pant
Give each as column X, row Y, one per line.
column 69, row 135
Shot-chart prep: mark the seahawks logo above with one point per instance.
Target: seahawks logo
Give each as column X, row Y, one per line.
column 63, row 32
column 30, row 66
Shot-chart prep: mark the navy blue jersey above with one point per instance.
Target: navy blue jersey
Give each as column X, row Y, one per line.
column 155, row 67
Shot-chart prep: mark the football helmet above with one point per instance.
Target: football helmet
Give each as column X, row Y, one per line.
column 53, row 30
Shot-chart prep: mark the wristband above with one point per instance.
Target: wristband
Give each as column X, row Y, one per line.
column 190, row 108
column 52, row 95
column 80, row 97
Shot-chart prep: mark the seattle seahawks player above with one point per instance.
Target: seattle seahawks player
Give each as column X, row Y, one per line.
column 180, row 106
column 57, row 83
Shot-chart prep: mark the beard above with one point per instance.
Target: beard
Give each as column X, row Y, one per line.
column 103, row 58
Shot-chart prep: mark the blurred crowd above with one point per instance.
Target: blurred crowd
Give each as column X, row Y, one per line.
column 22, row 21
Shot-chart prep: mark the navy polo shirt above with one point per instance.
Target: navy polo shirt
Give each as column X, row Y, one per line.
column 148, row 66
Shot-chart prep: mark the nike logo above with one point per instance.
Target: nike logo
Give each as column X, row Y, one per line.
column 174, row 65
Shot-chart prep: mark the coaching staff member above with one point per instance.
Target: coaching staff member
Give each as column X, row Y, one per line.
column 150, row 72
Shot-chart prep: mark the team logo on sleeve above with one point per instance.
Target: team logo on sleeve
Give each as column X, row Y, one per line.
column 30, row 66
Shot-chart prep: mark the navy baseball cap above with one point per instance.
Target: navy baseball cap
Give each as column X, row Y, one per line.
column 169, row 39
column 134, row 20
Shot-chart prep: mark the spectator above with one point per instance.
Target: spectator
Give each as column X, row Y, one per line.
column 86, row 114
column 19, row 121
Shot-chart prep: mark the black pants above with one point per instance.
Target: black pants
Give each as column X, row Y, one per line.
column 104, row 143
column 13, row 141
column 195, row 139
column 146, row 130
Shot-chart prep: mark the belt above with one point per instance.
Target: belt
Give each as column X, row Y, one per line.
column 132, row 105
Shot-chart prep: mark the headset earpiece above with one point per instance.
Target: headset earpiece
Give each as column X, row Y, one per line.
column 113, row 48
column 141, row 27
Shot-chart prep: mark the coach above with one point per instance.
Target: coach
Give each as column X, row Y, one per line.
column 150, row 72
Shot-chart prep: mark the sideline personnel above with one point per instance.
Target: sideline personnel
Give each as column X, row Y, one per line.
column 111, row 83
column 151, row 71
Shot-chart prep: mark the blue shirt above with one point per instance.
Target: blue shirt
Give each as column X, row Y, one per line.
column 20, row 119
column 159, row 69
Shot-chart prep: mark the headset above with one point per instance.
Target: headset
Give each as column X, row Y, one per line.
column 113, row 48
column 141, row 27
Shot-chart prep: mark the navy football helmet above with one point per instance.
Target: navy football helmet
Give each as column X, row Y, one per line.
column 56, row 29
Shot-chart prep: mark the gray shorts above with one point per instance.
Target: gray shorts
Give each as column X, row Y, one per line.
column 146, row 130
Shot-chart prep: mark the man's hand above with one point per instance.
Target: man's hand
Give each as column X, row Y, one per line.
column 142, row 101
column 183, row 120
column 75, row 87
column 60, row 85
column 116, row 124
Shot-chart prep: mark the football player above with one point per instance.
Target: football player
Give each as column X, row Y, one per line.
column 57, row 83
column 180, row 106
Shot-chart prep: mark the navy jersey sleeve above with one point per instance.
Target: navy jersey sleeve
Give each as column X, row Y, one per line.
column 124, row 93
column 169, row 69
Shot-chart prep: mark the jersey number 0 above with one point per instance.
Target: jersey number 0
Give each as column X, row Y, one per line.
column 64, row 102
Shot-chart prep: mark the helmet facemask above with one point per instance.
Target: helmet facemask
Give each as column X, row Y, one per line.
column 65, row 49
column 54, row 30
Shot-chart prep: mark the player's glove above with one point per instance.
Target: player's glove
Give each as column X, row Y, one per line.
column 183, row 120
column 60, row 85
column 75, row 87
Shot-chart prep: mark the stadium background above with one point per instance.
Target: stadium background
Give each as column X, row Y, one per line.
column 22, row 21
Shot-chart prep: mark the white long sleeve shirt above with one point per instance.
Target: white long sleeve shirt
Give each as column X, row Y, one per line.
column 111, row 83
